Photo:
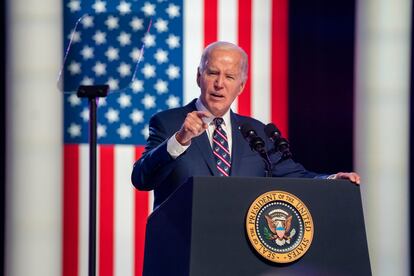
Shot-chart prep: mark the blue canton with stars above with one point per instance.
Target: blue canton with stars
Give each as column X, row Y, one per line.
column 106, row 46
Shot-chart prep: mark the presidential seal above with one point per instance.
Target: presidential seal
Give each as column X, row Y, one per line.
column 279, row 227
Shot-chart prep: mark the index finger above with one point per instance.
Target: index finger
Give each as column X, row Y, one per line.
column 203, row 114
column 206, row 116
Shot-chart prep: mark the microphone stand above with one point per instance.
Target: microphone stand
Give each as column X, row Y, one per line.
column 92, row 92
column 268, row 164
column 256, row 144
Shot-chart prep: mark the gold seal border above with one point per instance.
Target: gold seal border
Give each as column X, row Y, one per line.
column 303, row 211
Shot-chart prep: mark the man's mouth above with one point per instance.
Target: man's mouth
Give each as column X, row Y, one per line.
column 216, row 95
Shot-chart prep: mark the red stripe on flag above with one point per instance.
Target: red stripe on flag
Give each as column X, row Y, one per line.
column 70, row 257
column 141, row 214
column 244, row 41
column 279, row 95
column 210, row 21
column 106, row 211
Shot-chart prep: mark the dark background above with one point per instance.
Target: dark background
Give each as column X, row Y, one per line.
column 321, row 84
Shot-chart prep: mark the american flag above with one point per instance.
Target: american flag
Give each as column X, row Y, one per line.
column 106, row 48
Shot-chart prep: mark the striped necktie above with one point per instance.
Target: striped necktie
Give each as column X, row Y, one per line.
column 221, row 148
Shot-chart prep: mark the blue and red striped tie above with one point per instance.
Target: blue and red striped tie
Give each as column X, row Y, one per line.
column 221, row 148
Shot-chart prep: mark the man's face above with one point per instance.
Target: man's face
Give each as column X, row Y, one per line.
column 221, row 81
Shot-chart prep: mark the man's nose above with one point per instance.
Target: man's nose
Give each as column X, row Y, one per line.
column 219, row 81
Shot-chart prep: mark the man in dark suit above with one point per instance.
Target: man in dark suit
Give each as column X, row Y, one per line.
column 203, row 137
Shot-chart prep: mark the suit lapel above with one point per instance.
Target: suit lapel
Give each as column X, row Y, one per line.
column 238, row 147
column 204, row 147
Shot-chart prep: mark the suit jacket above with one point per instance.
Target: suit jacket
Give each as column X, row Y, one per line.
column 157, row 170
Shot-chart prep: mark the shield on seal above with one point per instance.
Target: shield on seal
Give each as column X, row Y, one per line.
column 280, row 229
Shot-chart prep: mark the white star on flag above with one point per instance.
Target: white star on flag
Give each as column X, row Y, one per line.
column 113, row 83
column 74, row 68
column 149, row 40
column 137, row 24
column 124, row 38
column 148, row 101
column 87, row 52
column 99, row 37
column 124, row 100
column 99, row 6
column 87, row 21
column 137, row 116
column 74, row 100
column 124, row 7
column 137, row 86
column 85, row 114
column 135, row 54
column 161, row 56
column 173, row 101
column 87, row 81
column 173, row 41
column 99, row 68
column 74, row 6
column 148, row 9
column 124, row 131
column 112, row 22
column 148, row 71
column 173, row 11
column 112, row 115
column 124, row 69
column 173, row 72
column 74, row 130
column 145, row 131
column 74, row 36
column 101, row 131
column 161, row 86
column 161, row 25
column 112, row 53
column 101, row 102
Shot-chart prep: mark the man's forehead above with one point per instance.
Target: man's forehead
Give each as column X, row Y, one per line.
column 215, row 59
column 234, row 69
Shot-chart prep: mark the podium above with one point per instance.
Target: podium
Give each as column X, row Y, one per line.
column 201, row 229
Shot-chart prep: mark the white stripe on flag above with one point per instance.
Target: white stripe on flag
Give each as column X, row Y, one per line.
column 227, row 20
column 192, row 46
column 227, row 25
column 124, row 211
column 261, row 53
column 83, row 209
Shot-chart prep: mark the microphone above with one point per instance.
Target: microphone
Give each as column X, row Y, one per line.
column 257, row 144
column 281, row 144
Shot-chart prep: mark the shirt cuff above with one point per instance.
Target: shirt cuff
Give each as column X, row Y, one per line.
column 332, row 176
column 174, row 148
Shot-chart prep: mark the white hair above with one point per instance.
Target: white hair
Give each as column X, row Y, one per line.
column 223, row 45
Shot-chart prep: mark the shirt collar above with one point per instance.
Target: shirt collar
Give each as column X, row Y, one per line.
column 200, row 107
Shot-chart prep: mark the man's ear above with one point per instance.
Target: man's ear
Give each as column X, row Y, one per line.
column 242, row 85
column 198, row 76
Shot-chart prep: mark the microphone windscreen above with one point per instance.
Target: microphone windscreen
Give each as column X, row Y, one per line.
column 246, row 129
column 271, row 130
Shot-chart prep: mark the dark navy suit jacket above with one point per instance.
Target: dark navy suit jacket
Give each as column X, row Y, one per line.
column 157, row 170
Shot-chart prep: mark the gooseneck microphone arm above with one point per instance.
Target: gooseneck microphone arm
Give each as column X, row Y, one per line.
column 256, row 144
column 280, row 144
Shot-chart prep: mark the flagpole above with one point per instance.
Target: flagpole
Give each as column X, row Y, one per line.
column 92, row 92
